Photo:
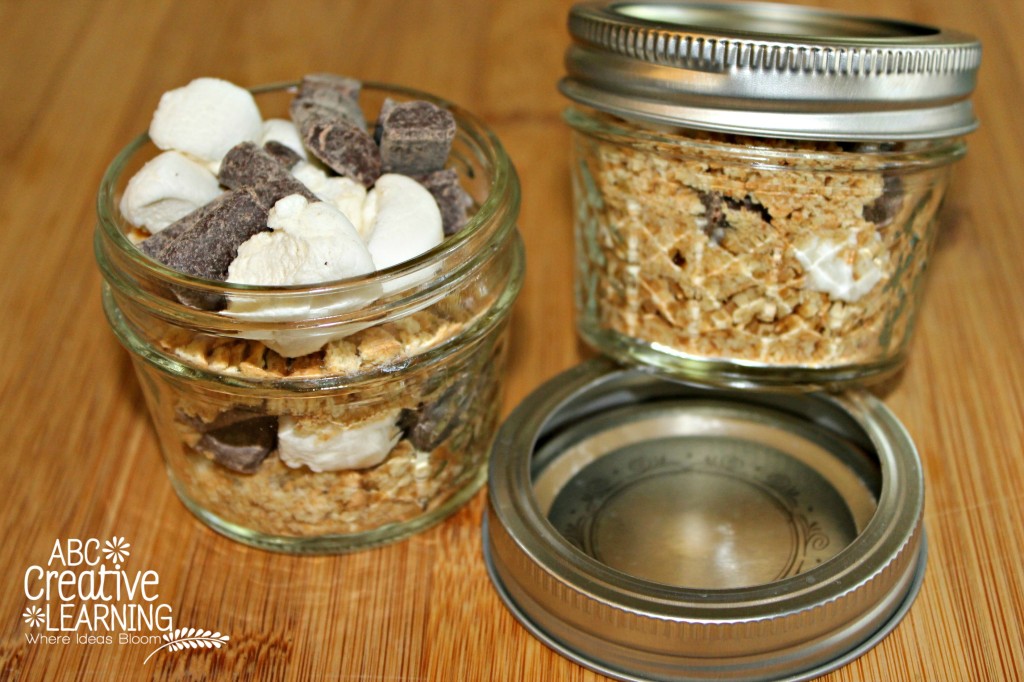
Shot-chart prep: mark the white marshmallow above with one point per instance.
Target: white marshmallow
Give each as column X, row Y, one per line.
column 333, row 447
column 830, row 271
column 285, row 132
column 311, row 243
column 205, row 119
column 402, row 220
column 167, row 188
column 345, row 194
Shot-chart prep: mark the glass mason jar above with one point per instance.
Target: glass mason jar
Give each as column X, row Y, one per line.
column 413, row 376
column 755, row 205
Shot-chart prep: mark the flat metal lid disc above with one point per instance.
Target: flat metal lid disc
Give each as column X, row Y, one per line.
column 653, row 530
column 772, row 70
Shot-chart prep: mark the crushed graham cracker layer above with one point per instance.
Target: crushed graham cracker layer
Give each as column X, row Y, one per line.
column 449, row 414
column 703, row 256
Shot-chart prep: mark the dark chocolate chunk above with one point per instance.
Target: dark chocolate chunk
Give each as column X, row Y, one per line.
column 345, row 149
column 432, row 424
column 238, row 439
column 208, row 245
column 249, row 166
column 385, row 108
column 335, row 93
column 883, row 210
column 190, row 296
column 717, row 222
column 415, row 137
column 282, row 153
column 748, row 204
column 204, row 242
column 305, row 112
column 152, row 246
column 271, row 192
column 451, row 198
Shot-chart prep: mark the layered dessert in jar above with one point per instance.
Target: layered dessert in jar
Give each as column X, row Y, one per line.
column 315, row 301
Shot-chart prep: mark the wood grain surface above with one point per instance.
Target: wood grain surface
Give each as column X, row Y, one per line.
column 79, row 78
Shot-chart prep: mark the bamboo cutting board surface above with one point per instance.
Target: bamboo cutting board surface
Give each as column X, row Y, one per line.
column 81, row 78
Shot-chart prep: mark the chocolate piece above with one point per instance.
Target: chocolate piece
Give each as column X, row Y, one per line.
column 204, row 242
column 248, row 166
column 206, row 247
column 327, row 114
column 415, row 137
column 282, row 153
column 152, row 246
column 714, row 216
column 385, row 108
column 269, row 193
column 337, row 94
column 238, row 439
column 883, row 209
column 345, row 149
column 715, row 204
column 432, row 424
column 451, row 198
column 305, row 112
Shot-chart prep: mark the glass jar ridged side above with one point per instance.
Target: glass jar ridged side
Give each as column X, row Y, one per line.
column 757, row 184
column 404, row 391
column 752, row 262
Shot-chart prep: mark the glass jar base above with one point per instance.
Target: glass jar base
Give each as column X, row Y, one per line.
column 332, row 544
column 739, row 374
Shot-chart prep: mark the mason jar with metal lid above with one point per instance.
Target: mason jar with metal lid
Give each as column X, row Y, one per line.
column 756, row 189
column 756, row 185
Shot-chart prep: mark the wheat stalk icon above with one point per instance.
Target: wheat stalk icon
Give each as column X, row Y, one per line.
column 191, row 638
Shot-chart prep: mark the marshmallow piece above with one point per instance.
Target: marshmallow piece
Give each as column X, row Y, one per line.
column 284, row 132
column 311, row 243
column 167, row 188
column 403, row 221
column 345, row 194
column 205, row 119
column 332, row 447
column 829, row 269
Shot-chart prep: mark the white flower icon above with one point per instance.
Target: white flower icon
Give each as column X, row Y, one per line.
column 34, row 616
column 116, row 550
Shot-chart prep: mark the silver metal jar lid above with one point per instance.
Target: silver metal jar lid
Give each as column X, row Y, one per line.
column 653, row 530
column 771, row 70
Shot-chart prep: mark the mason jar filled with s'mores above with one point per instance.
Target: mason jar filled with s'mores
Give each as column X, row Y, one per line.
column 756, row 188
column 313, row 281
column 757, row 185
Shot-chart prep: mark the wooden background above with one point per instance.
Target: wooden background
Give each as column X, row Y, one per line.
column 79, row 78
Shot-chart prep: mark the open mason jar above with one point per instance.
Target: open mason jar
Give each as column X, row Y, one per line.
column 756, row 186
column 390, row 406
